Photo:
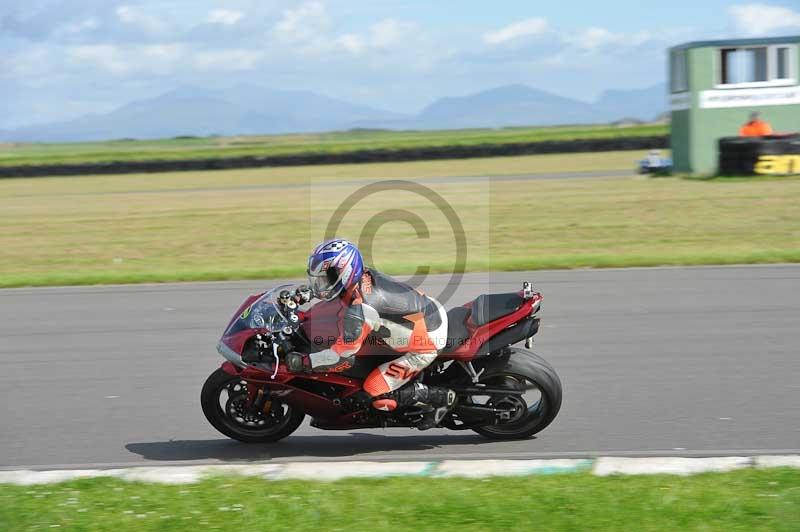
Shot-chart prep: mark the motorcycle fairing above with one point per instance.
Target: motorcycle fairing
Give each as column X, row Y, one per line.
column 321, row 320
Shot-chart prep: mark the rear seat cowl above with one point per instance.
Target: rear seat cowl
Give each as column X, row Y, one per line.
column 489, row 307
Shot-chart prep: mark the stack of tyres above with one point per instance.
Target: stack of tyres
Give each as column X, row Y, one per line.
column 739, row 155
column 771, row 155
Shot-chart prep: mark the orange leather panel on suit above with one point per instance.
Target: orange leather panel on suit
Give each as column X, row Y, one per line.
column 420, row 341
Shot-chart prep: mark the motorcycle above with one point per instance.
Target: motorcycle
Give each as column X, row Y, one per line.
column 503, row 392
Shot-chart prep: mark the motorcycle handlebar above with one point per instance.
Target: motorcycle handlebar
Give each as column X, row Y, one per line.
column 284, row 343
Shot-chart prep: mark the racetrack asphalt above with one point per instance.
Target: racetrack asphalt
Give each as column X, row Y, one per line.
column 700, row 361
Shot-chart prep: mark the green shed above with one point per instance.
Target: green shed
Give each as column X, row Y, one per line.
column 715, row 85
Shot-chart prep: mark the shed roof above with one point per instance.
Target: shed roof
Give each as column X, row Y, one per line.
column 738, row 42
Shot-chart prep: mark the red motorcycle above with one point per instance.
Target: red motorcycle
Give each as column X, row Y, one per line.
column 503, row 392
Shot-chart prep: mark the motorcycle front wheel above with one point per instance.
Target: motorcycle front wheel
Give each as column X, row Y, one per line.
column 532, row 411
column 224, row 402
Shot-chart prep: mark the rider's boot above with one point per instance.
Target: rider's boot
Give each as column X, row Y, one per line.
column 442, row 400
column 438, row 400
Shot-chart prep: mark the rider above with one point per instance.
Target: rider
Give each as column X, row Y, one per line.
column 406, row 320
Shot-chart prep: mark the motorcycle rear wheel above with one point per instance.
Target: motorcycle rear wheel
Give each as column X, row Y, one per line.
column 522, row 368
column 223, row 401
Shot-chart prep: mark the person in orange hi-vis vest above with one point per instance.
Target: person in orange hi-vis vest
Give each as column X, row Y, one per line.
column 755, row 127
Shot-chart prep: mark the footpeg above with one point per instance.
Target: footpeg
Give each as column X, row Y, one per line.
column 433, row 418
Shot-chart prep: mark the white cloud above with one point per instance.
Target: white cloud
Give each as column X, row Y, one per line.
column 226, row 17
column 383, row 35
column 132, row 47
column 307, row 29
column 104, row 56
column 764, row 19
column 136, row 17
column 388, row 32
column 352, row 43
column 29, row 64
column 523, row 28
column 86, row 24
column 163, row 52
column 303, row 23
column 595, row 38
column 231, row 60
column 124, row 60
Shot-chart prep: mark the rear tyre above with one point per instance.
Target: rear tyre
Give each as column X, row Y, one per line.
column 533, row 411
column 224, row 399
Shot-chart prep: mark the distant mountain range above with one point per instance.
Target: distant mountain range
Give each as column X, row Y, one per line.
column 251, row 110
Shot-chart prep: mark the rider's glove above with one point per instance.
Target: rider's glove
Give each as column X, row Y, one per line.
column 297, row 363
column 302, row 294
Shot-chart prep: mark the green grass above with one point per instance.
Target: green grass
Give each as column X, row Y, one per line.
column 337, row 142
column 246, row 224
column 742, row 500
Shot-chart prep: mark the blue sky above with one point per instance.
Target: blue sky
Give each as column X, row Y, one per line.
column 59, row 60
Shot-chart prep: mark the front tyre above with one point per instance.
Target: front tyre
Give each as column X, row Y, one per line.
column 224, row 402
column 534, row 410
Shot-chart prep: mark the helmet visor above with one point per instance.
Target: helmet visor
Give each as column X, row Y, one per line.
column 324, row 284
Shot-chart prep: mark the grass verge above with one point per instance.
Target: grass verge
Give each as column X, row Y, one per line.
column 741, row 500
column 566, row 262
column 261, row 223
column 337, row 142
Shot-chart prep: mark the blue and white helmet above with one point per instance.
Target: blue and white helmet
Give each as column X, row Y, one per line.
column 335, row 266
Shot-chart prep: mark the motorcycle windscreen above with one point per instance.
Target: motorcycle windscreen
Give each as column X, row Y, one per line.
column 262, row 314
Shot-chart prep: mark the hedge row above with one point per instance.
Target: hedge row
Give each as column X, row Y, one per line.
column 363, row 156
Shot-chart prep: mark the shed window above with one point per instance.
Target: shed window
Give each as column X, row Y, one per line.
column 678, row 72
column 754, row 65
column 782, row 66
column 744, row 65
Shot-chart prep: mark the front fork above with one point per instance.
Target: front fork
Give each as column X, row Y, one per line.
column 258, row 400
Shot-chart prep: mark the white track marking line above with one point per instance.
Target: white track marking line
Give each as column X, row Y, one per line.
column 488, row 468
column 329, row 471
column 777, row 461
column 337, row 470
column 413, row 457
column 671, row 465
